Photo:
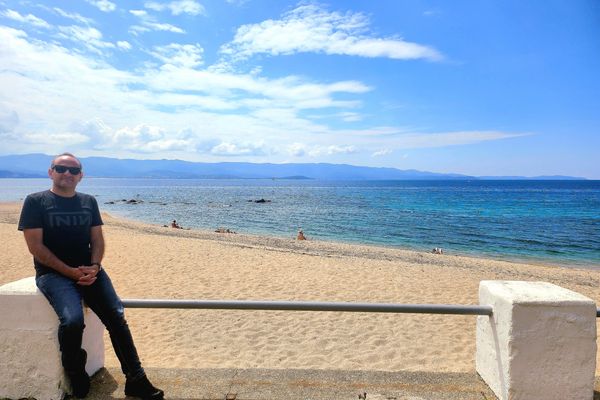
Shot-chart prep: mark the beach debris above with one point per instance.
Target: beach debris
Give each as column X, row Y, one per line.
column 362, row 396
column 259, row 201
column 300, row 235
column 224, row 230
column 231, row 396
column 437, row 250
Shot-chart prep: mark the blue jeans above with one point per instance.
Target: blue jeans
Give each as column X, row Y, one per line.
column 65, row 296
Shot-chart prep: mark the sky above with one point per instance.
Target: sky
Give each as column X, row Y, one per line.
column 472, row 87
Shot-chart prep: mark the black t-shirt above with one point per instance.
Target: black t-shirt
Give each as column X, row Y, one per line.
column 66, row 224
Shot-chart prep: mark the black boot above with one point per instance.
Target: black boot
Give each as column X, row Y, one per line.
column 142, row 388
column 75, row 370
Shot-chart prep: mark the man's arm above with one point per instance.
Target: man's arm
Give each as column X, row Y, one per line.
column 97, row 248
column 97, row 244
column 35, row 243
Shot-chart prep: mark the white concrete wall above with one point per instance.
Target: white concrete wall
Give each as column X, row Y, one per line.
column 30, row 363
column 540, row 342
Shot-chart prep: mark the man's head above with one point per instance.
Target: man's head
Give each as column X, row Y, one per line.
column 65, row 172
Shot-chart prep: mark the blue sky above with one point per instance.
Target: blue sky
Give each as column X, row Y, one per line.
column 472, row 87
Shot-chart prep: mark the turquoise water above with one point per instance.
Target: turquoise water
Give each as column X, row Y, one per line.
column 554, row 222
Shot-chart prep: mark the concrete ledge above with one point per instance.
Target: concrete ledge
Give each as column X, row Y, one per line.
column 29, row 351
column 540, row 343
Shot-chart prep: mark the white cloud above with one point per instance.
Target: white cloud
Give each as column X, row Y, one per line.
column 350, row 116
column 378, row 131
column 147, row 139
column 123, row 45
column 142, row 138
column 27, row 19
column 179, row 85
column 89, row 37
column 310, row 28
column 255, row 91
column 95, row 129
column 181, row 110
column 73, row 16
column 49, row 87
column 177, row 7
column 317, row 151
column 297, row 149
column 180, row 101
column 103, row 5
column 180, row 55
column 432, row 13
column 79, row 33
column 341, row 149
column 149, row 23
column 239, row 149
column 443, row 139
column 395, row 138
column 148, row 26
column 52, row 138
column 138, row 13
column 383, row 152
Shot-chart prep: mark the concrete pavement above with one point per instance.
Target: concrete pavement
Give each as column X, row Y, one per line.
column 273, row 384
column 259, row 384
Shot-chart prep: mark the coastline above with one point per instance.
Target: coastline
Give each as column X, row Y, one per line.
column 335, row 246
column 148, row 261
column 458, row 219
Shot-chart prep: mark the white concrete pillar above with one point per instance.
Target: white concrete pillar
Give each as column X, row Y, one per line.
column 30, row 363
column 540, row 342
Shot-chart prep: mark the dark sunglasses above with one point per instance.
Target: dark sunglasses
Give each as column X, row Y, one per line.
column 61, row 169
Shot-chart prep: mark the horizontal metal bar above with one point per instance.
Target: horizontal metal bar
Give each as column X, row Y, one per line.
column 310, row 306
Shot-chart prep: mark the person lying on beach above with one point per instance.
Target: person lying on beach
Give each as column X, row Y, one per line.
column 63, row 231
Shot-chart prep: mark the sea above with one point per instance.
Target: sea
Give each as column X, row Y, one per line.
column 548, row 222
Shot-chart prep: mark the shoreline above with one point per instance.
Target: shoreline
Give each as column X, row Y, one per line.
column 323, row 244
column 542, row 249
column 259, row 237
column 147, row 261
column 293, row 244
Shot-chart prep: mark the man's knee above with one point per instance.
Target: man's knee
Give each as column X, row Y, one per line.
column 72, row 324
column 115, row 317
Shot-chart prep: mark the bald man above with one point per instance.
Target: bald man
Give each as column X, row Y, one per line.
column 63, row 231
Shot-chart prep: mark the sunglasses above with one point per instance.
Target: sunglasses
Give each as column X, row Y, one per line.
column 61, row 169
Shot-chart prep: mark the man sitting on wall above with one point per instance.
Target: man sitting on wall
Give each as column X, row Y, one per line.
column 63, row 231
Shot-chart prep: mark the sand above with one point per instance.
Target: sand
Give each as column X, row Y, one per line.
column 146, row 261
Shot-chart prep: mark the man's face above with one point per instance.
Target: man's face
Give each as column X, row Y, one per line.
column 66, row 180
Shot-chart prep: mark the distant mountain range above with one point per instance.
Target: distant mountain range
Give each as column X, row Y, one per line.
column 35, row 166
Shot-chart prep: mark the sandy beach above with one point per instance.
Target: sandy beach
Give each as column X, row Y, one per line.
column 146, row 261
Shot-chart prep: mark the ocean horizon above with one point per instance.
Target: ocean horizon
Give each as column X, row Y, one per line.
column 549, row 222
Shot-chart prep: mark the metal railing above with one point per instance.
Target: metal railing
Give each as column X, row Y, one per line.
column 456, row 309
